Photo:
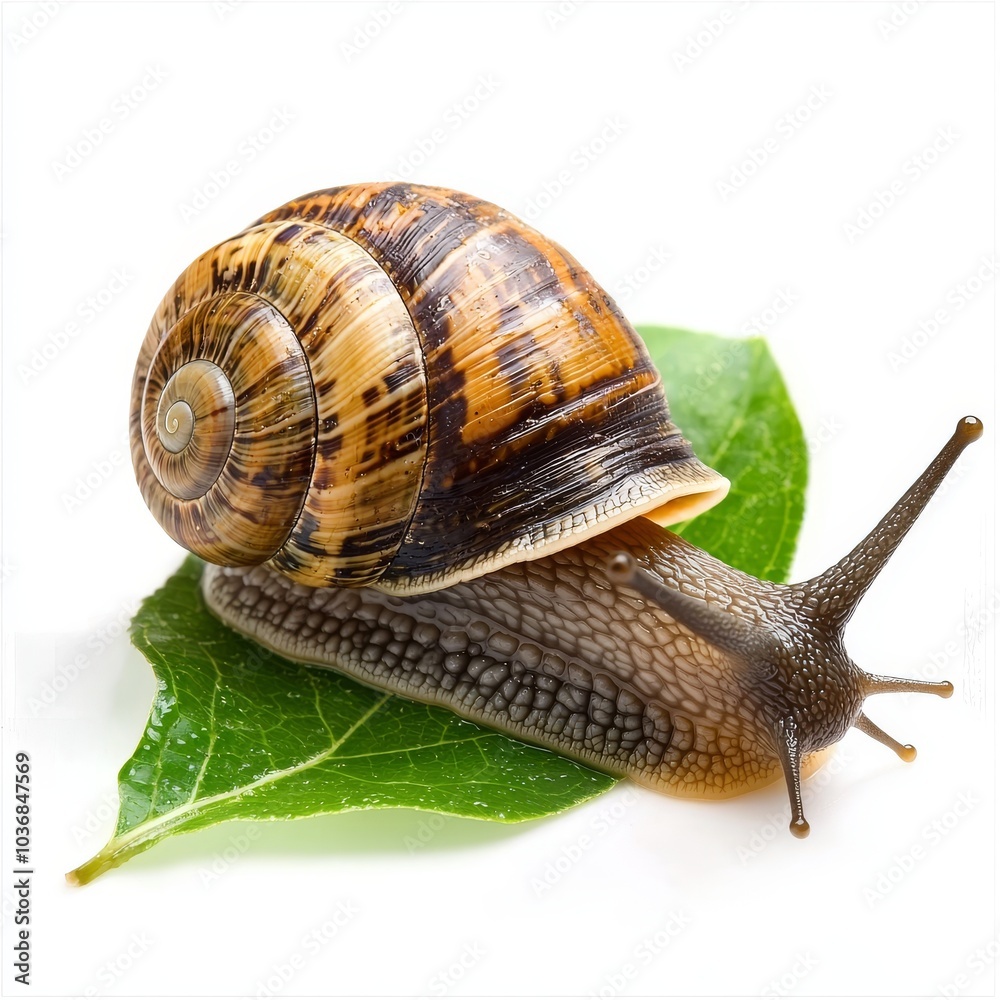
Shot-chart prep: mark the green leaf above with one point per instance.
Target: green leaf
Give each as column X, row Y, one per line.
column 730, row 400
column 236, row 731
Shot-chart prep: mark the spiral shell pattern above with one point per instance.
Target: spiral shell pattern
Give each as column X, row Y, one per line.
column 298, row 441
column 399, row 385
column 234, row 459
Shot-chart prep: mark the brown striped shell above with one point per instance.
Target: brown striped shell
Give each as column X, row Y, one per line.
column 399, row 385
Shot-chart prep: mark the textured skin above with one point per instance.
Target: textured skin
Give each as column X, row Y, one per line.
column 550, row 652
column 478, row 399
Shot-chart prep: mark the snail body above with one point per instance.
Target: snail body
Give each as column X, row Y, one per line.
column 548, row 650
column 679, row 671
column 445, row 457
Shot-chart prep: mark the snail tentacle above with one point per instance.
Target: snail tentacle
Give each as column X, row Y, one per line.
column 723, row 630
column 836, row 593
column 789, row 747
column 907, row 752
column 881, row 684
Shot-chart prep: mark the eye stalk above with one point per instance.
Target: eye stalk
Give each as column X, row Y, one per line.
column 814, row 613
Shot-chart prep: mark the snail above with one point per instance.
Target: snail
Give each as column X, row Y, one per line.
column 418, row 443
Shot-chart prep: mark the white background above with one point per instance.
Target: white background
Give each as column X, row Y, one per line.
column 593, row 100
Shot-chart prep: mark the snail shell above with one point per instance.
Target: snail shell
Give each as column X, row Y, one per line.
column 399, row 385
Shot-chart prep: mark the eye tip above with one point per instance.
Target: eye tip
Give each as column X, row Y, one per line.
column 908, row 752
column 969, row 429
column 799, row 828
column 620, row 567
column 946, row 689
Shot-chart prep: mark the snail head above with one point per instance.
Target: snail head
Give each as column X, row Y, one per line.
column 797, row 674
